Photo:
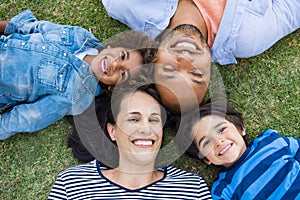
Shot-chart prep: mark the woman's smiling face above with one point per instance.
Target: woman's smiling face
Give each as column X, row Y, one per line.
column 138, row 129
column 218, row 140
column 112, row 65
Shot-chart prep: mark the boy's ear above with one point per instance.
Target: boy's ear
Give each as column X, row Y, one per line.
column 207, row 161
column 111, row 130
column 243, row 133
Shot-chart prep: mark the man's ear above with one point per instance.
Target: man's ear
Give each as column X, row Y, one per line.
column 207, row 161
column 112, row 131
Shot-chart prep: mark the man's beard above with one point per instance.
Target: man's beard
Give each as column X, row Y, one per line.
column 182, row 27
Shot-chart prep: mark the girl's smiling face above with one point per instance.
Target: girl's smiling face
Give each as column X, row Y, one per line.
column 218, row 140
column 112, row 65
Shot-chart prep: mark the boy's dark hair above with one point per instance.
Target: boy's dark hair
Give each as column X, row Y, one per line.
column 185, row 138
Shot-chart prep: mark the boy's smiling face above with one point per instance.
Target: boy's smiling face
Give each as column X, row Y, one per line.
column 218, row 140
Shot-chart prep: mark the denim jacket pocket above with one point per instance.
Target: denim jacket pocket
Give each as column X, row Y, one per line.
column 257, row 7
column 62, row 36
column 54, row 75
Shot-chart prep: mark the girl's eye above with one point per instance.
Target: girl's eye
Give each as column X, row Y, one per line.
column 123, row 72
column 123, row 55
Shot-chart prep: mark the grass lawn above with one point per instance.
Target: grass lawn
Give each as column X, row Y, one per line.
column 266, row 88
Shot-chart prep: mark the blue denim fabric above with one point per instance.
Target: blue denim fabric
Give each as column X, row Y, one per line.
column 41, row 79
column 248, row 27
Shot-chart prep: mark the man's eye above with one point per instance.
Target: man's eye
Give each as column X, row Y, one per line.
column 169, row 69
column 123, row 55
column 197, row 74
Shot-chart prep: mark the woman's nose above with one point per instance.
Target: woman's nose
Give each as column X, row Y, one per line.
column 144, row 129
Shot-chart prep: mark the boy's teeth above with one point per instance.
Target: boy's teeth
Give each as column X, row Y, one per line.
column 224, row 150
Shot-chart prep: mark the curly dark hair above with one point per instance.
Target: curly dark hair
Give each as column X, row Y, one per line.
column 133, row 40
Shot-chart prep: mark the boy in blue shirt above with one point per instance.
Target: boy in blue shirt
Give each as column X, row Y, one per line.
column 266, row 168
column 49, row 70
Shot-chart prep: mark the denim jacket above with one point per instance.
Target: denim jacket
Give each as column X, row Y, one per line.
column 247, row 28
column 41, row 79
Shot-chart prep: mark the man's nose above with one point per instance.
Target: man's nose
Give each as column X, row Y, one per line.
column 185, row 59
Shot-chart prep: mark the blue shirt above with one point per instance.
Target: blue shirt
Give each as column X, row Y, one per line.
column 87, row 182
column 269, row 169
column 247, row 28
column 41, row 79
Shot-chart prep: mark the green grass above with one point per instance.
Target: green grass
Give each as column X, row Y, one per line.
column 266, row 88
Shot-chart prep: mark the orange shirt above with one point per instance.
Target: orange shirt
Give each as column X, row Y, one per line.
column 212, row 12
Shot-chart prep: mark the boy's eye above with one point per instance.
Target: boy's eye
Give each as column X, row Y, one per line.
column 222, row 130
column 205, row 143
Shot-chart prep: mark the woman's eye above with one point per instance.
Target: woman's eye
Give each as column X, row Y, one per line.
column 123, row 55
column 154, row 120
column 133, row 120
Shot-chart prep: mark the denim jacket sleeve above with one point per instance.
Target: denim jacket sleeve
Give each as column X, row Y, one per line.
column 33, row 117
column 24, row 23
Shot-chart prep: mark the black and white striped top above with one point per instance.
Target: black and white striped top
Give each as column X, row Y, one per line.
column 87, row 182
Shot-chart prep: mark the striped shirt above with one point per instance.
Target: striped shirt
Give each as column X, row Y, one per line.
column 269, row 169
column 87, row 182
